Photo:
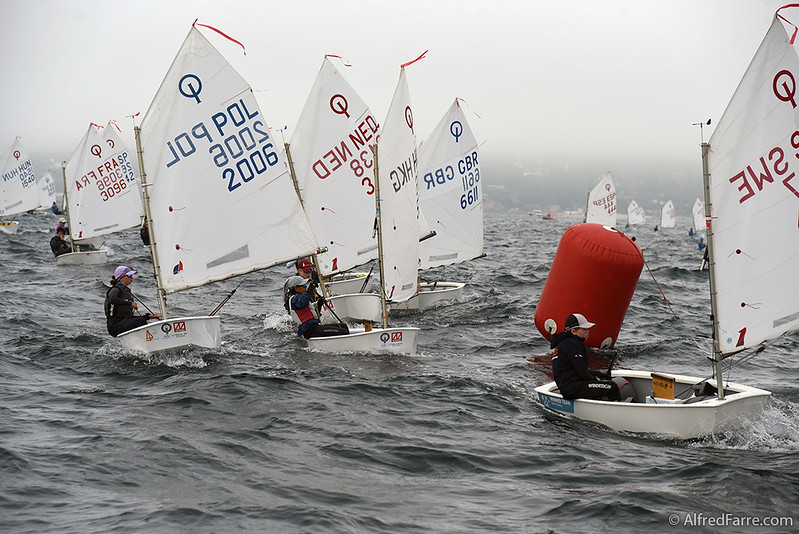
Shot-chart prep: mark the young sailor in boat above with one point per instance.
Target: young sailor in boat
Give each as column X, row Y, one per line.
column 119, row 305
column 570, row 364
column 298, row 302
column 57, row 244
column 62, row 223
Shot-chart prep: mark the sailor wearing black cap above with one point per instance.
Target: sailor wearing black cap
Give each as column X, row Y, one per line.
column 570, row 364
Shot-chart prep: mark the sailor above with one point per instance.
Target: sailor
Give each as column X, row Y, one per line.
column 570, row 364
column 701, row 243
column 306, row 270
column 297, row 301
column 57, row 244
column 62, row 223
column 119, row 305
column 54, row 209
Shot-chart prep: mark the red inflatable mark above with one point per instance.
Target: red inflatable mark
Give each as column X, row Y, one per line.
column 594, row 273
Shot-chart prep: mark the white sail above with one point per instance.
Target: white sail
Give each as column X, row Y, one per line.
column 102, row 190
column 399, row 197
column 451, row 192
column 221, row 199
column 667, row 218
column 333, row 163
column 18, row 191
column 635, row 214
column 46, row 187
column 601, row 207
column 698, row 213
column 754, row 194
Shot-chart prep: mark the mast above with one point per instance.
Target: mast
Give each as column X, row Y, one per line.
column 379, row 227
column 66, row 203
column 717, row 356
column 148, row 219
column 302, row 205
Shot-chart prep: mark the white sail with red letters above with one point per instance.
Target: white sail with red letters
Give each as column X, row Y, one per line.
column 754, row 193
column 667, row 218
column 333, row 163
column 601, row 206
column 102, row 190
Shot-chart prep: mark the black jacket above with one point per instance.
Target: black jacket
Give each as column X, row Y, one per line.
column 570, row 363
column 59, row 246
column 118, row 302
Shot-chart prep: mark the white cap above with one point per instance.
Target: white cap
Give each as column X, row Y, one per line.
column 577, row 320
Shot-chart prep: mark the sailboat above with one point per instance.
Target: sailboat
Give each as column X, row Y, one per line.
column 47, row 192
column 635, row 214
column 219, row 201
column 331, row 160
column 451, row 198
column 18, row 191
column 397, row 228
column 667, row 218
column 102, row 193
column 698, row 214
column 749, row 175
column 600, row 208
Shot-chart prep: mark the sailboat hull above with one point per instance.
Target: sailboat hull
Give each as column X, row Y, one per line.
column 89, row 257
column 430, row 294
column 9, row 227
column 357, row 307
column 348, row 283
column 174, row 333
column 694, row 417
column 397, row 340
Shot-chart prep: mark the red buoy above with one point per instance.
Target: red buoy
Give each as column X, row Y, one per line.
column 595, row 271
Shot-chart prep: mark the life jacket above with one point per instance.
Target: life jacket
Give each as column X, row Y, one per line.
column 303, row 314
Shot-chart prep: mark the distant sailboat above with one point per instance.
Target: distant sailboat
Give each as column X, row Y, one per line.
column 667, row 219
column 219, row 201
column 600, row 207
column 47, row 192
column 698, row 213
column 635, row 214
column 18, row 191
column 102, row 193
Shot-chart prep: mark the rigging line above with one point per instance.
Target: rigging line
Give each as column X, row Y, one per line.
column 141, row 302
column 650, row 272
column 227, row 298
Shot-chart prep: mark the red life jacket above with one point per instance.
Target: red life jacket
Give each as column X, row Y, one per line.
column 303, row 314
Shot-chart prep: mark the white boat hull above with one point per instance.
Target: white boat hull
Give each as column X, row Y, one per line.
column 397, row 340
column 174, row 333
column 89, row 257
column 430, row 294
column 676, row 419
column 348, row 283
column 353, row 307
column 9, row 227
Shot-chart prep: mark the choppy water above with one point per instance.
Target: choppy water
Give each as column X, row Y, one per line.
column 265, row 436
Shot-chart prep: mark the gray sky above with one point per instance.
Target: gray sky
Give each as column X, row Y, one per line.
column 555, row 83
